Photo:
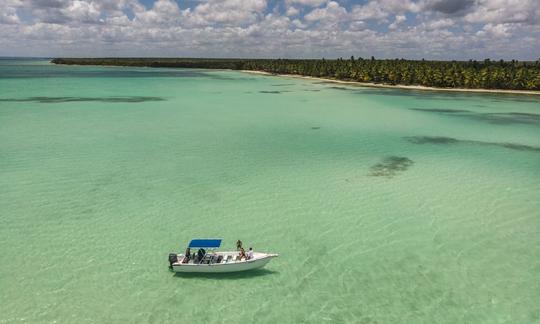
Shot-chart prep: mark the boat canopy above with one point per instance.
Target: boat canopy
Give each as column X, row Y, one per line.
column 205, row 243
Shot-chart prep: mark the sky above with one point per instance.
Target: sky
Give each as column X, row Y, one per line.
column 413, row 29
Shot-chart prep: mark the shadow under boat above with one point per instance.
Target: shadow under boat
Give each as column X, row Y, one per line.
column 227, row 275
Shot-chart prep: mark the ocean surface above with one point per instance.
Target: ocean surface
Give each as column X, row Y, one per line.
column 386, row 206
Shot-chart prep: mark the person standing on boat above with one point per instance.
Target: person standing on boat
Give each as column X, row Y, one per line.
column 187, row 256
column 238, row 245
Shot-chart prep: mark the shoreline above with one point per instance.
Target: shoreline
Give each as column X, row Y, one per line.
column 257, row 67
column 397, row 86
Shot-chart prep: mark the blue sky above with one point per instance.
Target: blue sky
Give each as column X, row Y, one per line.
column 431, row 29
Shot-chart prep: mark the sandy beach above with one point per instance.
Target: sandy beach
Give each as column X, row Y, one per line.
column 406, row 87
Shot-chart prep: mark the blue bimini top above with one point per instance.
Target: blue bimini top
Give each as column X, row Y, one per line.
column 205, row 243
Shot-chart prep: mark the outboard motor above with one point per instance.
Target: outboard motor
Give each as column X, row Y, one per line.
column 173, row 258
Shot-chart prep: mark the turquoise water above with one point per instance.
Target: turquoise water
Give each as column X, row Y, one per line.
column 386, row 206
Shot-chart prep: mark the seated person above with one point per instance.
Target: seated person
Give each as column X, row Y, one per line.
column 200, row 254
column 250, row 254
column 241, row 255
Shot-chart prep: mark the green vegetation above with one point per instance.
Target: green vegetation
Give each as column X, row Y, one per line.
column 487, row 74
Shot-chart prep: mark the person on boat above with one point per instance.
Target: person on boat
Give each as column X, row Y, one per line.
column 241, row 255
column 187, row 256
column 200, row 254
column 250, row 254
column 238, row 245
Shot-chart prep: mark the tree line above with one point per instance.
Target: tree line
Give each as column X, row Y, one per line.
column 486, row 74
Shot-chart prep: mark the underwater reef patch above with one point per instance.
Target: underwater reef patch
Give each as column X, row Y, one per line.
column 492, row 118
column 440, row 140
column 510, row 118
column 432, row 140
column 442, row 110
column 341, row 88
column 390, row 166
column 130, row 99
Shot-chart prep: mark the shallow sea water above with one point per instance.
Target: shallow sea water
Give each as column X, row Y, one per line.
column 386, row 206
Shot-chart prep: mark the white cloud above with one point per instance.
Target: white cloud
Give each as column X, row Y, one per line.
column 82, row 11
column 293, row 28
column 505, row 11
column 449, row 7
column 372, row 10
column 298, row 23
column 292, row 11
column 231, row 12
column 384, row 8
column 311, row 3
column 164, row 12
column 438, row 24
column 400, row 18
column 397, row 21
column 495, row 30
column 8, row 15
column 332, row 14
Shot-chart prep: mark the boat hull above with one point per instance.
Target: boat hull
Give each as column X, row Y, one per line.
column 223, row 267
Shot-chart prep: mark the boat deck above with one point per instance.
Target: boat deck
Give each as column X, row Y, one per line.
column 216, row 258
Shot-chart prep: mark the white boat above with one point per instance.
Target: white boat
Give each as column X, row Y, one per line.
column 214, row 261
